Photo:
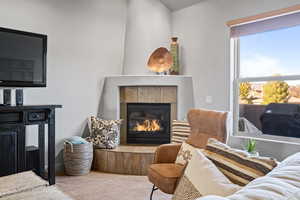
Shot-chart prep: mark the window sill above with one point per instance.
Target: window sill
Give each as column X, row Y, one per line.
column 269, row 138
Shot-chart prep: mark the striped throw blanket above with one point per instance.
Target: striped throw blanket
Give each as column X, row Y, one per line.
column 239, row 166
column 180, row 131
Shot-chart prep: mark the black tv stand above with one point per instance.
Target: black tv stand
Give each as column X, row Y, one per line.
column 15, row 157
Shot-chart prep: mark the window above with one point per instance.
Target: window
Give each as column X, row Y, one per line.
column 270, row 53
column 266, row 80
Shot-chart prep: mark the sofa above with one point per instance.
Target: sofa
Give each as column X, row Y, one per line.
column 282, row 183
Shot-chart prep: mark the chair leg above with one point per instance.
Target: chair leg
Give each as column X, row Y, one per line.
column 153, row 189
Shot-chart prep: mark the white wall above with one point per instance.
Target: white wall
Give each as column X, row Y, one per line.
column 85, row 44
column 204, row 38
column 148, row 28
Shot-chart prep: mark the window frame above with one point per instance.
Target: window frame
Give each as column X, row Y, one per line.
column 234, row 97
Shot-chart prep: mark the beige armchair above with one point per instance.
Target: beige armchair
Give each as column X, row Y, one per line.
column 164, row 173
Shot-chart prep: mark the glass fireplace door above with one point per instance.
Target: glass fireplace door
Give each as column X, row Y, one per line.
column 148, row 123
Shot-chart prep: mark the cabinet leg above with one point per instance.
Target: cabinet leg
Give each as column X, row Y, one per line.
column 41, row 170
column 51, row 148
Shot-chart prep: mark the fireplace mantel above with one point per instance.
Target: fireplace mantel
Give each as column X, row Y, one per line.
column 110, row 101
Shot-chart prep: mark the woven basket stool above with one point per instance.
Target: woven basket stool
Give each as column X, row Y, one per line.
column 78, row 158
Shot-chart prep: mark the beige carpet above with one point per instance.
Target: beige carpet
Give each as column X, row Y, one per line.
column 101, row 186
column 19, row 183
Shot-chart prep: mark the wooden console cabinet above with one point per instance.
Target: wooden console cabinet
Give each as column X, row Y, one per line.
column 15, row 157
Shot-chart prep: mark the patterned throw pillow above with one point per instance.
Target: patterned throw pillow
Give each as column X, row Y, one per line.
column 180, row 131
column 104, row 134
column 239, row 166
column 201, row 178
column 185, row 154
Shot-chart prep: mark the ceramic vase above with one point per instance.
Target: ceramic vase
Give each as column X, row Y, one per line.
column 175, row 56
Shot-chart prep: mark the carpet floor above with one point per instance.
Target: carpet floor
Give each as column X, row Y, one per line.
column 102, row 186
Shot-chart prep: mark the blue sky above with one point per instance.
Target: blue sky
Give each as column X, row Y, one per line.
column 269, row 53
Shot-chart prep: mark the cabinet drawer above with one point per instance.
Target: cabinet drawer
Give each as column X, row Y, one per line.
column 37, row 116
column 11, row 117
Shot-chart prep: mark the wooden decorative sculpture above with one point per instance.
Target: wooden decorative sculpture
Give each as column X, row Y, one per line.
column 160, row 60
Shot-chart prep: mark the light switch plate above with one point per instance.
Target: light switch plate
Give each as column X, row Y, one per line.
column 209, row 99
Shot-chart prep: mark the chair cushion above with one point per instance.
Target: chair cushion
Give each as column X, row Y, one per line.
column 166, row 153
column 165, row 176
column 206, row 124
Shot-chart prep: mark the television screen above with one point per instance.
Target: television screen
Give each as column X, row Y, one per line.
column 22, row 58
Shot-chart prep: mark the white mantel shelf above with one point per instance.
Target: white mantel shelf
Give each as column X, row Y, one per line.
column 111, row 92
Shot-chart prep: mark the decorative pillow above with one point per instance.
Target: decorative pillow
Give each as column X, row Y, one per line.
column 239, row 166
column 185, row 153
column 104, row 134
column 202, row 178
column 180, row 131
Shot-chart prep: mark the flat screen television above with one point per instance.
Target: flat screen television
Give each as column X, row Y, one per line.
column 22, row 59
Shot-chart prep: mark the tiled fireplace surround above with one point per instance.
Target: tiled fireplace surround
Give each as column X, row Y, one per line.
column 143, row 95
column 118, row 91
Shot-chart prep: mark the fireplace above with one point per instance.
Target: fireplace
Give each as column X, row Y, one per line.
column 148, row 123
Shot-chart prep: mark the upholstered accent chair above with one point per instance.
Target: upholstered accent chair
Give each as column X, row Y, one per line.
column 164, row 173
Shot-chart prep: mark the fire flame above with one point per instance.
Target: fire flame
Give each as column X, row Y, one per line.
column 148, row 125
